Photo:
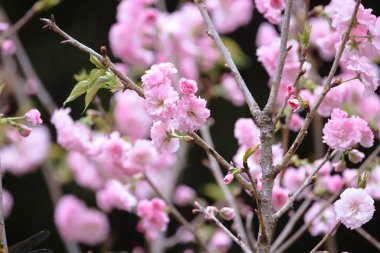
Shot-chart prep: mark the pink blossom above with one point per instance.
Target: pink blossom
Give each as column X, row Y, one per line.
column 220, row 242
column 355, row 156
column 296, row 122
column 228, row 178
column 227, row 213
column 293, row 178
column 334, row 99
column 161, row 102
column 291, row 89
column 279, row 197
column 115, row 195
column 130, row 115
column 158, row 74
column 323, row 37
column 33, row 116
column 153, row 217
column 342, row 133
column 187, row 86
column 265, row 34
column 191, row 113
column 271, row 9
column 246, row 132
column 86, row 172
column 369, row 74
column 33, row 150
column 232, row 90
column 228, row 15
column 324, row 222
column 339, row 166
column 8, row 47
column 335, row 183
column 184, row 195
column 7, row 203
column 354, row 208
column 294, row 103
column 162, row 139
column 77, row 223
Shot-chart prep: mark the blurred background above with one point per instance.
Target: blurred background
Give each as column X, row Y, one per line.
column 89, row 21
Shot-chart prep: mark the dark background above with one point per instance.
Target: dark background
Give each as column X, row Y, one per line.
column 89, row 21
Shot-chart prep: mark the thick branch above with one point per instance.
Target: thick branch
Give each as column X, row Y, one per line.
column 309, row 117
column 211, row 31
column 281, row 60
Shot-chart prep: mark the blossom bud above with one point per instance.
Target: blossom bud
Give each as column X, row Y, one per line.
column 293, row 103
column 339, row 166
column 227, row 213
column 24, row 130
column 291, row 89
column 355, row 156
column 228, row 178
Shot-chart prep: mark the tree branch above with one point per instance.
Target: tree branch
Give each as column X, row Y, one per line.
column 332, row 230
column 281, row 60
column 309, row 117
column 211, row 31
column 369, row 238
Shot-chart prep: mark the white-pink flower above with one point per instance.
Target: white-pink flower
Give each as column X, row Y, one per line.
column 246, row 132
column 354, row 208
column 187, row 86
column 184, row 195
column 162, row 139
column 369, row 73
column 153, row 217
column 232, row 91
column 161, row 102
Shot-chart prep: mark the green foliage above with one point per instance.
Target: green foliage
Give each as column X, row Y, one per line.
column 305, row 36
column 46, row 4
column 89, row 84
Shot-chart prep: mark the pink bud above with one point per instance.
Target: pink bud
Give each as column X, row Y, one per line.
column 356, row 156
column 24, row 130
column 187, row 86
column 8, row 47
column 228, row 178
column 227, row 213
column 33, row 116
column 339, row 166
column 291, row 89
column 293, row 103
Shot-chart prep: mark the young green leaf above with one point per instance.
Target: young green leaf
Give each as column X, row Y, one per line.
column 96, row 62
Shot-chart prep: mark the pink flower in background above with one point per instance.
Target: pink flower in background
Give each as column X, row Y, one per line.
column 220, row 242
column 232, row 90
column 296, row 122
column 342, row 133
column 4, row 26
column 271, row 9
column 33, row 150
column 187, row 86
column 33, row 116
column 140, row 157
column 191, row 113
column 130, row 115
column 246, row 132
column 279, row 197
column 153, row 217
column 334, row 183
column 7, row 203
column 184, row 195
column 354, row 208
column 86, row 172
column 266, row 34
column 324, row 222
column 77, row 223
column 115, row 195
column 163, row 142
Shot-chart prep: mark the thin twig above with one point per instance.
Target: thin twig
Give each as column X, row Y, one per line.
column 250, row 229
column 331, row 231
column 281, row 59
column 212, row 217
column 308, row 181
column 368, row 237
column 211, row 31
column 309, row 117
column 126, row 81
column 177, row 215
column 291, row 223
column 218, row 175
column 3, row 237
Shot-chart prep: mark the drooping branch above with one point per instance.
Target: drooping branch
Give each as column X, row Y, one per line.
column 309, row 117
column 211, row 31
column 281, row 60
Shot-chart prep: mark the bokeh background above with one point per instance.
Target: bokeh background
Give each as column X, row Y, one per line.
column 89, row 21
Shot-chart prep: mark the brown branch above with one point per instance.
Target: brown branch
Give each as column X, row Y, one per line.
column 332, row 230
column 369, row 238
column 309, row 117
column 211, row 31
column 3, row 237
column 281, row 60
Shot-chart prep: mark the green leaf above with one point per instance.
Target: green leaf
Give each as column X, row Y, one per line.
column 81, row 75
column 250, row 151
column 305, row 36
column 94, row 88
column 96, row 62
column 79, row 89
